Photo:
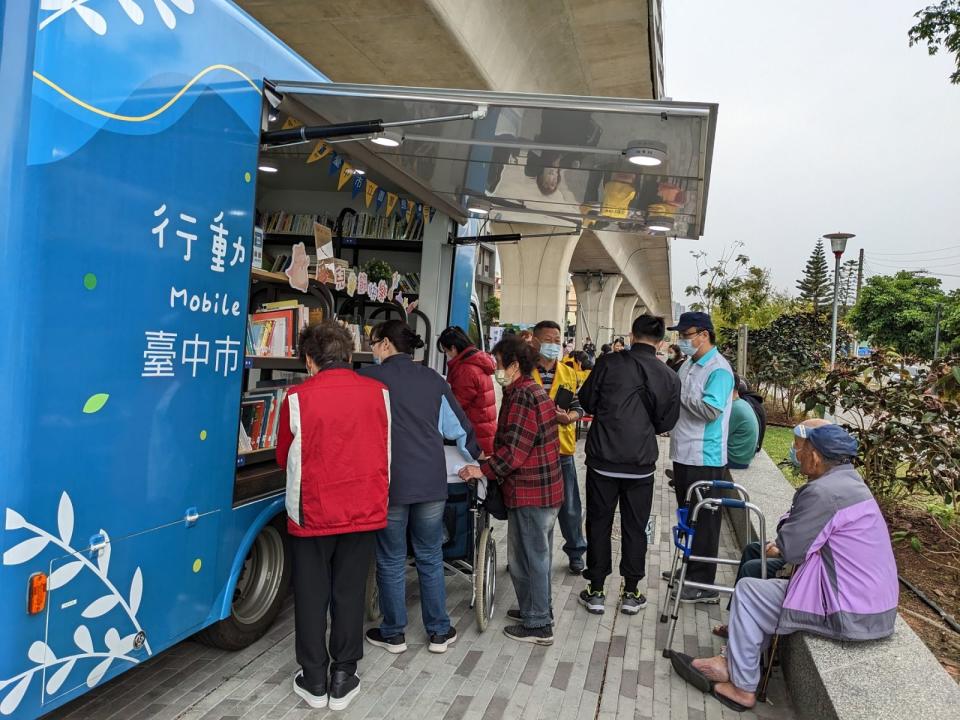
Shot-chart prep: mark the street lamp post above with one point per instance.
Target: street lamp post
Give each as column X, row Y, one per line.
column 838, row 243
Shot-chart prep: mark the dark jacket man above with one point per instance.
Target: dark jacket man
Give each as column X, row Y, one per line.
column 633, row 397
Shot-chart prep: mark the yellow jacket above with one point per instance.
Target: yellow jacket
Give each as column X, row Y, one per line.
column 564, row 376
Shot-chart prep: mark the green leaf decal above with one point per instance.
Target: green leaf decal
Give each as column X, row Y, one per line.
column 95, row 403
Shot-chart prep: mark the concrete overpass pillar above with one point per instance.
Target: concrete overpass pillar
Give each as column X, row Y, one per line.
column 596, row 296
column 534, row 274
column 624, row 311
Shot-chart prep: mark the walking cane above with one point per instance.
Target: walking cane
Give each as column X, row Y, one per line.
column 762, row 689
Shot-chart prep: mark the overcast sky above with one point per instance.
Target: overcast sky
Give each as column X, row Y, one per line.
column 828, row 121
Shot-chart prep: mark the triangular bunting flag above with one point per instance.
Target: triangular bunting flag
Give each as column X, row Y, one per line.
column 419, row 211
column 404, row 203
column 357, row 185
column 346, row 172
column 391, row 203
column 291, row 123
column 370, row 190
column 335, row 162
column 409, row 213
column 381, row 198
column 426, row 214
column 320, row 151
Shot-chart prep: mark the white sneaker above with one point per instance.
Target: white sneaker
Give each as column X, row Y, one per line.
column 309, row 695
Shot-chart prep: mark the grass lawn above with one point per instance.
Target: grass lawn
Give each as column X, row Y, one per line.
column 777, row 441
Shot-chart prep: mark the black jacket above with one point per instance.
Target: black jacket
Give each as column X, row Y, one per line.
column 633, row 397
column 423, row 411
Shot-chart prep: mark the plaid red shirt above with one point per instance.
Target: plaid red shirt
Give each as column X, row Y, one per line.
column 526, row 449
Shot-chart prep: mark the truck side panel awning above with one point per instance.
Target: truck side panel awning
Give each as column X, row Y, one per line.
column 610, row 164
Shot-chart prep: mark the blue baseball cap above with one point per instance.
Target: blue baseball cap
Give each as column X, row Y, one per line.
column 833, row 442
column 700, row 320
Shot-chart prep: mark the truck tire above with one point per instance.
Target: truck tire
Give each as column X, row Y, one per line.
column 260, row 592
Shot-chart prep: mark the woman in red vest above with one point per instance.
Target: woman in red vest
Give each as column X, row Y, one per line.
column 334, row 443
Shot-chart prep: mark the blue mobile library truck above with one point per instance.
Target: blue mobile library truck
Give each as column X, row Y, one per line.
column 160, row 164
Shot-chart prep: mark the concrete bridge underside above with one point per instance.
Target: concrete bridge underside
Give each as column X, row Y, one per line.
column 579, row 47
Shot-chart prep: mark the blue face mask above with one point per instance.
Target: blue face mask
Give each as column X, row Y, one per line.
column 551, row 351
column 686, row 347
column 794, row 460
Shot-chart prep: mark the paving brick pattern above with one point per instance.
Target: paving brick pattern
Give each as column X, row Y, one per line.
column 599, row 667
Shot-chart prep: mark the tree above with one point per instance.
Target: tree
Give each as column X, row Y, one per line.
column 815, row 286
column 899, row 312
column 716, row 281
column 735, row 292
column 491, row 310
column 848, row 283
column 787, row 356
column 939, row 25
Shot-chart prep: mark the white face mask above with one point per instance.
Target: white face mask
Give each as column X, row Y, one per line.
column 551, row 351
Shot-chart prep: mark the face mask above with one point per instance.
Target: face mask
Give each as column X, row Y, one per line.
column 377, row 360
column 794, row 460
column 501, row 377
column 686, row 347
column 551, row 351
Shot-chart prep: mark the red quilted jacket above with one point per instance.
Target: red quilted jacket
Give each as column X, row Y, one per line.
column 470, row 377
column 334, row 443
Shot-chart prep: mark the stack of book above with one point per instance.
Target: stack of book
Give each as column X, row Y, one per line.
column 260, row 418
column 410, row 283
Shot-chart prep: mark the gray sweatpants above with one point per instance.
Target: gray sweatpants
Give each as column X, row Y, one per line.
column 754, row 615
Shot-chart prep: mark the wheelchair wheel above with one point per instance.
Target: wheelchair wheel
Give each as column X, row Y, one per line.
column 485, row 578
column 371, row 598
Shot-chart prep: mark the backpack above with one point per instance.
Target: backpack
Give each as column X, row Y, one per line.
column 756, row 402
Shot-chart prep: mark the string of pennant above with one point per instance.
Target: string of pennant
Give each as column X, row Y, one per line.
column 373, row 194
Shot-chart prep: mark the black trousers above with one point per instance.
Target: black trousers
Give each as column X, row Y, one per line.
column 330, row 572
column 706, row 539
column 635, row 498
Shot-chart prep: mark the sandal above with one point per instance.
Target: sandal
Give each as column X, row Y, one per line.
column 683, row 666
column 729, row 702
column 721, row 631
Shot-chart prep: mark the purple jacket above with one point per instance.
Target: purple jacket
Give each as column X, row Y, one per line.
column 845, row 582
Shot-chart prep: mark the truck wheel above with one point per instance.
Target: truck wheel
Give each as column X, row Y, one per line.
column 261, row 589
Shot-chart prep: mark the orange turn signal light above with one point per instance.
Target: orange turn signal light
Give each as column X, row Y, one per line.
column 37, row 593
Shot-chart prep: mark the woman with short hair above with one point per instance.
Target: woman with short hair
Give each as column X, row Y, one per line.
column 526, row 464
column 470, row 374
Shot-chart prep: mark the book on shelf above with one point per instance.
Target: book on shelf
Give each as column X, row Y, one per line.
column 280, row 221
column 274, row 330
column 381, row 227
column 260, row 418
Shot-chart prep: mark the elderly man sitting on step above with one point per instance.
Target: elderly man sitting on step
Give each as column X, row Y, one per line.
column 844, row 584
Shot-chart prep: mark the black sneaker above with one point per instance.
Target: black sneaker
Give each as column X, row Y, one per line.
column 592, row 600
column 632, row 602
column 692, row 595
column 514, row 614
column 440, row 643
column 396, row 644
column 537, row 636
column 344, row 687
column 576, row 566
column 666, row 575
column 315, row 697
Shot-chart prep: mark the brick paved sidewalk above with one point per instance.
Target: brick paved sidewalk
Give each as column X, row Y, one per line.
column 604, row 667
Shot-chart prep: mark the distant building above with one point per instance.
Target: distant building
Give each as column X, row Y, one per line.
column 486, row 273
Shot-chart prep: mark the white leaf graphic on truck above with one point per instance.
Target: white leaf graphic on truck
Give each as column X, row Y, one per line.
column 96, row 22
column 94, row 662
